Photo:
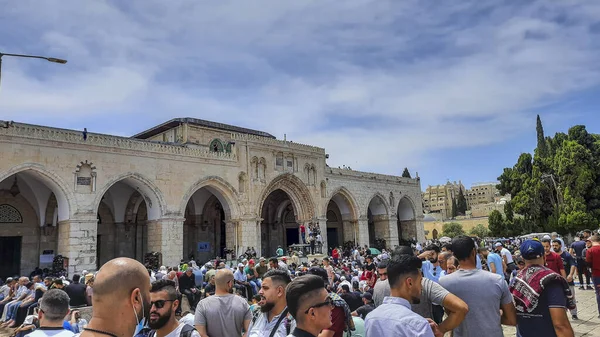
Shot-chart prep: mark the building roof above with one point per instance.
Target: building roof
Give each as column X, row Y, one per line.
column 199, row 122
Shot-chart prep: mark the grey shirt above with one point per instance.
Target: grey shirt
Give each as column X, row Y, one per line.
column 223, row 315
column 484, row 293
column 430, row 293
column 381, row 290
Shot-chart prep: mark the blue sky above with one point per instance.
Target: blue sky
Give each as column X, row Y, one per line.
column 449, row 91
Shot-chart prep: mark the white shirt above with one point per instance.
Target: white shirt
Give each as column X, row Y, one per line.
column 506, row 252
column 187, row 319
column 177, row 331
column 262, row 327
column 51, row 332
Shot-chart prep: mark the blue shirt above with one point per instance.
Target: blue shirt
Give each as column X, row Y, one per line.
column 198, row 277
column 431, row 272
column 497, row 261
column 393, row 318
column 478, row 265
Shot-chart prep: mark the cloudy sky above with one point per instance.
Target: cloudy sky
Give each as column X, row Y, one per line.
column 450, row 91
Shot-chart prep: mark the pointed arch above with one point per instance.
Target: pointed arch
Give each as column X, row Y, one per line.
column 218, row 186
column 297, row 192
column 345, row 200
column 155, row 201
column 406, row 209
column 378, row 205
column 67, row 203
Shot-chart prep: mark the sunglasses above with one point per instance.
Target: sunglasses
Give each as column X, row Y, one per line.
column 328, row 302
column 160, row 303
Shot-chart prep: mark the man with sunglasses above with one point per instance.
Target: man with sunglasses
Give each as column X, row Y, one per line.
column 163, row 304
column 272, row 320
column 309, row 303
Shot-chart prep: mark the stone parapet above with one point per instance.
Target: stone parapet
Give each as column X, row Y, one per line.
column 28, row 131
column 278, row 143
column 360, row 175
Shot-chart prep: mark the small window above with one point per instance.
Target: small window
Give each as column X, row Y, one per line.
column 290, row 163
column 279, row 161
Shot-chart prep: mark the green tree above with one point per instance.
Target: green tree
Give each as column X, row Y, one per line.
column 508, row 211
column 405, row 173
column 461, row 203
column 452, row 229
column 542, row 148
column 454, row 208
column 496, row 224
column 480, row 231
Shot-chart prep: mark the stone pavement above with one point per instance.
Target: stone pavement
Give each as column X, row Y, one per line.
column 588, row 324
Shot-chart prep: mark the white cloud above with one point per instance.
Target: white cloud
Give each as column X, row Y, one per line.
column 436, row 77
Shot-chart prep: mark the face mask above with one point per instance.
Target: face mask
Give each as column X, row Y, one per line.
column 141, row 321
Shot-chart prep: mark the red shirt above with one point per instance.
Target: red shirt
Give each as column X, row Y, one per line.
column 338, row 322
column 592, row 257
column 335, row 254
column 554, row 262
column 302, row 229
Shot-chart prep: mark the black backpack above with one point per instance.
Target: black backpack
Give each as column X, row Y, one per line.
column 185, row 332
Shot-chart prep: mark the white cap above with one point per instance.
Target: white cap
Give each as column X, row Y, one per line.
column 240, row 265
column 498, row 244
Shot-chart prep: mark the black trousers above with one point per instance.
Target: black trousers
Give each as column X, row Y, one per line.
column 583, row 270
column 192, row 298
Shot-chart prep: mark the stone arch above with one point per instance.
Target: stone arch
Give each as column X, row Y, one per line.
column 222, row 189
column 406, row 218
column 155, row 201
column 378, row 205
column 297, row 192
column 345, row 201
column 67, row 203
column 216, row 145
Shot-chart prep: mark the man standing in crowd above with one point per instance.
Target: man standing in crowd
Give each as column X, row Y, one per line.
column 163, row 304
column 309, row 303
column 54, row 306
column 394, row 317
column 483, row 292
column 273, row 307
column 121, row 286
column 223, row 314
column 495, row 263
column 576, row 250
column 508, row 260
column 553, row 260
column 433, row 271
column 76, row 292
column 570, row 269
column 341, row 316
column 540, row 296
column 187, row 286
column 593, row 260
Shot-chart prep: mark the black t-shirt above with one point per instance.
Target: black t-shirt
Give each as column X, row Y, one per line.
column 364, row 310
column 187, row 282
column 76, row 292
column 352, row 300
column 539, row 322
column 209, row 290
column 568, row 262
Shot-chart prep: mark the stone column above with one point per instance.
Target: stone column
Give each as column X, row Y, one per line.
column 322, row 222
column 77, row 242
column 392, row 240
column 248, row 235
column 409, row 229
column 363, row 231
column 166, row 236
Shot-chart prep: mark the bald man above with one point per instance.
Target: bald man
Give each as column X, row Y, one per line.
column 121, row 299
column 442, row 259
column 222, row 314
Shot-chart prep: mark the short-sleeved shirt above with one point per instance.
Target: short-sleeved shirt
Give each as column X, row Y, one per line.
column 381, row 290
column 240, row 276
column 578, row 247
column 51, row 332
column 593, row 260
column 223, row 315
column 364, row 310
column 484, row 293
column 177, row 331
column 505, row 252
column 568, row 262
column 554, row 262
column 395, row 318
column 497, row 261
column 538, row 322
column 338, row 321
column 431, row 293
column 263, row 328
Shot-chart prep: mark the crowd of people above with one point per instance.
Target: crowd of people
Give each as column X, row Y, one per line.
column 467, row 287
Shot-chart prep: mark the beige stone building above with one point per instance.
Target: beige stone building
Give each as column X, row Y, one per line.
column 438, row 199
column 185, row 188
column 480, row 194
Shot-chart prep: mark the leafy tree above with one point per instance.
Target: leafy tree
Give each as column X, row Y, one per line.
column 405, row 173
column 508, row 211
column 454, row 208
column 496, row 224
column 480, row 231
column 461, row 203
column 452, row 229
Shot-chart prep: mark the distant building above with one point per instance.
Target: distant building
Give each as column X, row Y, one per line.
column 481, row 194
column 438, row 199
column 483, row 210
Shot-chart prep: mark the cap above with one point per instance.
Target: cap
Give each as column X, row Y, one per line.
column 546, row 237
column 251, row 261
column 284, row 258
column 498, row 244
column 10, row 279
column 367, row 295
column 262, row 259
column 343, row 278
column 531, row 249
column 240, row 265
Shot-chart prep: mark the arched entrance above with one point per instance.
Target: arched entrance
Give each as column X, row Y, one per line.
column 127, row 205
column 406, row 220
column 30, row 211
column 280, row 225
column 341, row 217
column 208, row 230
column 378, row 219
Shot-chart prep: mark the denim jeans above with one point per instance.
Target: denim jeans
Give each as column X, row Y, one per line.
column 255, row 284
column 596, row 280
column 12, row 310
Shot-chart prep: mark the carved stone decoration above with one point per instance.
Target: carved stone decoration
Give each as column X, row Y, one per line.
column 313, row 172
column 392, row 200
column 85, row 178
column 242, row 182
column 9, row 214
column 323, row 189
column 254, row 168
column 261, row 168
column 308, row 175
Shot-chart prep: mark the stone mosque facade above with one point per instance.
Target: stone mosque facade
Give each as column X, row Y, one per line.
column 187, row 187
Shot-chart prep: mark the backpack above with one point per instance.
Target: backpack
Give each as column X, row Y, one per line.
column 186, row 331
